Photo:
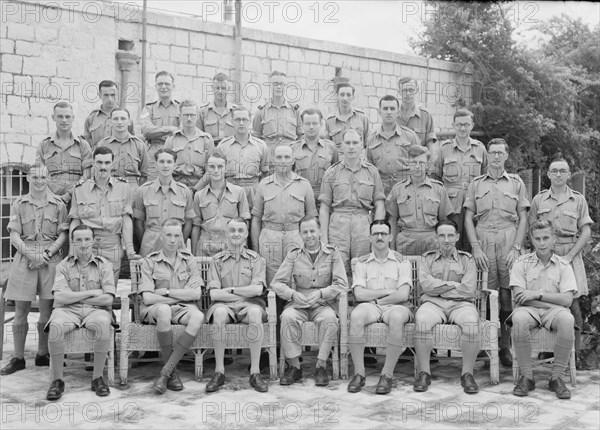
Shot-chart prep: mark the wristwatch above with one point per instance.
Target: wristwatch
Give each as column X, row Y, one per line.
column 231, row 290
column 46, row 251
column 541, row 295
column 167, row 292
column 517, row 246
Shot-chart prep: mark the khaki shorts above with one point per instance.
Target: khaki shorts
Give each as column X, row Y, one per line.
column 543, row 316
column 80, row 316
column 238, row 311
column 381, row 313
column 178, row 311
column 449, row 311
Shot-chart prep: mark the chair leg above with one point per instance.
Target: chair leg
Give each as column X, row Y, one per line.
column 336, row 362
column 281, row 362
column 111, row 367
column 199, row 365
column 573, row 369
column 515, row 366
column 273, row 362
column 495, row 366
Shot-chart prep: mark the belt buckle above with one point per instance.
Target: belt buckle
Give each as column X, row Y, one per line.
column 465, row 185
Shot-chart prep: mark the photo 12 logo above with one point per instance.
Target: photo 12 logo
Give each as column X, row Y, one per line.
column 291, row 12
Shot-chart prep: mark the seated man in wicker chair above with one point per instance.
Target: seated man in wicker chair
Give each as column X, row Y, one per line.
column 381, row 285
column 236, row 282
column 448, row 278
column 170, row 286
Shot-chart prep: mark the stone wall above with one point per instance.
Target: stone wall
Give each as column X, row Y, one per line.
column 63, row 49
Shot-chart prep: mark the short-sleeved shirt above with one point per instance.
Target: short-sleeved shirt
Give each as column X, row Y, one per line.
column 155, row 206
column 97, row 126
column 131, row 156
column 452, row 278
column 497, row 202
column 244, row 161
column 218, row 124
column 192, row 155
column 390, row 154
column 390, row 274
column 72, row 275
column 277, row 124
column 420, row 121
column 568, row 213
column 311, row 161
column 39, row 222
column 530, row 273
column 102, row 209
column 345, row 187
column 213, row 211
column 284, row 204
column 418, row 208
column 335, row 126
column 157, row 114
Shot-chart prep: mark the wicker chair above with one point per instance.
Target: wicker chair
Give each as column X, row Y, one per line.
column 136, row 336
column 446, row 336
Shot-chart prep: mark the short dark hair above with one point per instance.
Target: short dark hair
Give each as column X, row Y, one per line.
column 497, row 141
column 167, row 151
column 218, row 154
column 277, row 73
column 351, row 130
column 559, row 160
column 405, row 80
column 380, row 222
column 188, row 103
column 62, row 104
column 240, row 109
column 309, row 218
column 345, row 85
column 540, row 224
column 120, row 109
column 417, row 150
column 164, row 73
column 106, row 84
column 103, row 150
column 240, row 220
column 462, row 112
column 82, row 227
column 446, row 221
column 311, row 111
column 389, row 98
column 220, row 77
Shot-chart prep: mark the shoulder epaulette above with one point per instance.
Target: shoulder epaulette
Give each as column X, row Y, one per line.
column 359, row 110
column 259, row 107
column 424, row 109
column 399, row 256
column 204, row 105
column 479, row 177
column 331, row 246
column 151, row 103
column 252, row 253
column 100, row 258
column 363, row 258
column 331, row 115
column 177, row 102
column 464, row 253
column 435, row 181
column 430, row 252
column 227, row 139
column 153, row 254
column 576, row 192
column 447, row 141
column 120, row 179
column 233, row 106
column 296, row 107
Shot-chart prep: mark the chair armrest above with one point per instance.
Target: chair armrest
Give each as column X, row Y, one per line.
column 493, row 299
column 271, row 307
column 343, row 307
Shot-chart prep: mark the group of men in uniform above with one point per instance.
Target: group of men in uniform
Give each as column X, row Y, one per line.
column 306, row 199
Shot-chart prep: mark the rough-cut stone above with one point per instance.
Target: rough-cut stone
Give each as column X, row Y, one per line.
column 7, row 46
column 197, row 40
column 27, row 48
column 179, row 54
column 12, row 63
column 18, row 31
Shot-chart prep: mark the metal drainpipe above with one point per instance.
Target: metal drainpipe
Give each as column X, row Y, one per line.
column 238, row 50
column 144, row 25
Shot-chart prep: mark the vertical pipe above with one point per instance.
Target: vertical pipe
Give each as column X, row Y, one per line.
column 144, row 25
column 238, row 50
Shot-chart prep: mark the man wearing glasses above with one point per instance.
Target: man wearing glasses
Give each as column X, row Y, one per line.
column 461, row 160
column 498, row 202
column 568, row 211
column 216, row 117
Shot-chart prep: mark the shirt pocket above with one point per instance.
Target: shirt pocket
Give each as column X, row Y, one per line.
column 544, row 214
column 297, row 205
column 324, row 275
column 87, row 209
column 324, row 161
column 28, row 222
column 508, row 205
column 208, row 209
column 405, row 206
column 269, row 126
column 73, row 160
column 290, row 125
column 183, row 277
column 451, row 169
column 211, row 125
column 198, row 156
column 483, row 202
column 153, row 209
column 336, row 134
column 302, row 162
column 430, row 210
column 229, row 206
column 115, row 205
column 131, row 163
column 178, row 209
column 568, row 222
column 365, row 191
column 390, row 280
column 50, row 222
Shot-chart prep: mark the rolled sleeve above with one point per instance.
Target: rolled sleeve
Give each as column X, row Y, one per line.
column 86, row 154
column 214, row 275
column 195, row 281
column 243, row 208
column 339, row 281
column 470, row 199
column 567, row 280
column 445, row 209
column 146, row 281
column 259, row 202
column 310, row 208
column 14, row 223
column 326, row 192
column 584, row 214
column 378, row 193
column 63, row 217
column 404, row 273
column 190, row 213
column 391, row 203
column 259, row 272
column 60, row 279
column 517, row 274
column 108, row 278
column 360, row 276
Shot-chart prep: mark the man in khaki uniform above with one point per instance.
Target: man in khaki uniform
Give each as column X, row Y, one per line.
column 277, row 122
column 192, row 146
column 97, row 125
column 38, row 227
column 346, row 116
column 68, row 158
column 131, row 155
column 387, row 147
column 312, row 154
column 236, row 282
column 170, row 287
column 216, row 117
column 310, row 279
column 104, row 204
column 498, row 202
column 282, row 199
column 461, row 160
column 215, row 205
column 159, row 200
column 246, row 155
column 160, row 118
column 415, row 205
column 569, row 213
column 351, row 189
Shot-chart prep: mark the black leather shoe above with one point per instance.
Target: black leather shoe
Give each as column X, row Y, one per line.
column 258, row 383
column 100, row 387
column 160, row 383
column 293, row 374
column 216, row 382
column 558, row 386
column 505, row 357
column 321, row 377
column 422, row 382
column 15, row 364
column 524, row 386
column 42, row 360
column 356, row 383
column 469, row 384
column 545, row 355
column 56, row 389
column 174, row 383
column 385, row 385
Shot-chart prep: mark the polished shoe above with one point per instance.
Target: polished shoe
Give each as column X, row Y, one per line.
column 56, row 389
column 422, row 382
column 469, row 384
column 100, row 387
column 545, row 355
column 258, row 383
column 558, row 386
column 505, row 357
column 42, row 360
column 293, row 374
column 15, row 364
column 174, row 383
column 356, row 383
column 524, row 386
column 385, row 385
column 160, row 383
column 215, row 383
column 321, row 377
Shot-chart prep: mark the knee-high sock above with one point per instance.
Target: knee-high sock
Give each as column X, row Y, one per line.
column 57, row 357
column 219, row 347
column 356, row 344
column 522, row 345
column 255, row 341
column 101, row 348
column 183, row 343
column 504, row 331
column 470, row 346
column 42, row 339
column 165, row 340
column 423, row 345
column 20, row 336
column 562, row 353
column 393, row 351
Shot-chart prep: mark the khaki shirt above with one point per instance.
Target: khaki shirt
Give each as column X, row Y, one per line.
column 335, row 126
column 418, row 208
column 299, row 273
column 213, row 212
column 131, row 156
column 421, row 122
column 218, row 125
column 390, row 154
column 277, row 125
column 157, row 114
column 344, row 187
column 312, row 161
column 531, row 274
column 35, row 222
column 567, row 214
column 453, row 278
column 496, row 203
column 97, row 126
column 155, row 206
column 244, row 161
column 390, row 274
column 286, row 204
column 102, row 209
column 192, row 155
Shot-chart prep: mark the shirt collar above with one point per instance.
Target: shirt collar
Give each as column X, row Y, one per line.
column 114, row 138
column 111, row 182
column 438, row 254
column 157, row 186
column 569, row 194
column 416, row 111
column 352, row 113
column 503, row 175
column 294, row 177
column 426, row 181
column 389, row 256
column 303, row 143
